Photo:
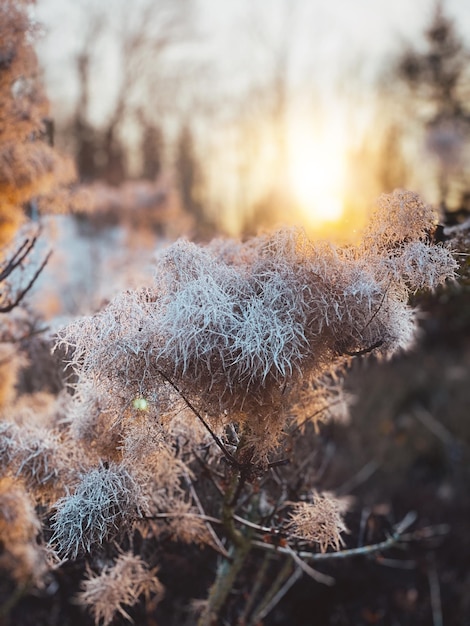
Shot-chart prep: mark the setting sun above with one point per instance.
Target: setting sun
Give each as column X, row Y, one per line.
column 317, row 172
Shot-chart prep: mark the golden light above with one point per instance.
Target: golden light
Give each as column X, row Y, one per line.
column 317, row 172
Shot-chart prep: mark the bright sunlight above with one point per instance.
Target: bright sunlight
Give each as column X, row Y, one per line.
column 317, row 171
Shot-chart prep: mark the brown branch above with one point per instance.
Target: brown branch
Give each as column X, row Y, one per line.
column 278, row 463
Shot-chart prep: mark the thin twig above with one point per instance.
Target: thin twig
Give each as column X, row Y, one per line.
column 281, row 585
column 327, row 456
column 256, row 587
column 217, row 546
column 428, row 532
column 264, row 529
column 12, row 304
column 313, row 416
column 215, row 520
column 435, row 427
column 367, row 350
column 242, row 479
column 168, row 515
column 361, row 477
column 274, row 600
column 279, row 463
column 28, row 335
column 212, row 532
column 376, row 312
column 190, row 406
column 308, row 459
column 317, row 576
column 18, row 257
column 398, row 563
column 362, row 529
column 210, row 473
column 435, row 591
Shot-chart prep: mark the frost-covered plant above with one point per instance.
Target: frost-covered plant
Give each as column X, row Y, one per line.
column 105, row 502
column 244, row 333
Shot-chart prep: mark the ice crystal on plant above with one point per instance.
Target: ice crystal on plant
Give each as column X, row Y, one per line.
column 106, row 501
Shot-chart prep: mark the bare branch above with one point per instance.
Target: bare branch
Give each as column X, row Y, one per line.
column 396, row 537
column 217, row 545
column 359, row 478
column 317, row 576
column 18, row 257
column 13, row 303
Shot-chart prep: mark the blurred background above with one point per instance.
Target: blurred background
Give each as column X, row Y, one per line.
column 236, row 116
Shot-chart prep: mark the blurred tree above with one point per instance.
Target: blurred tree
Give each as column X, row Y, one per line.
column 191, row 181
column 141, row 41
column 151, row 148
column 438, row 80
column 85, row 135
column 391, row 164
column 380, row 163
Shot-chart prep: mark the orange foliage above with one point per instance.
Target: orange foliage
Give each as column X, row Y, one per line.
column 29, row 167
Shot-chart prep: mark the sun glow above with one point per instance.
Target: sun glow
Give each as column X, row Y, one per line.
column 317, row 172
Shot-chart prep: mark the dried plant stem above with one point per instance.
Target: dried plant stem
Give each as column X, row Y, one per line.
column 435, row 591
column 258, row 583
column 286, row 577
column 361, row 477
column 228, row 570
column 212, row 532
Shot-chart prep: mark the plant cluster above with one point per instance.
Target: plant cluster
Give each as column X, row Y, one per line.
column 188, row 399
